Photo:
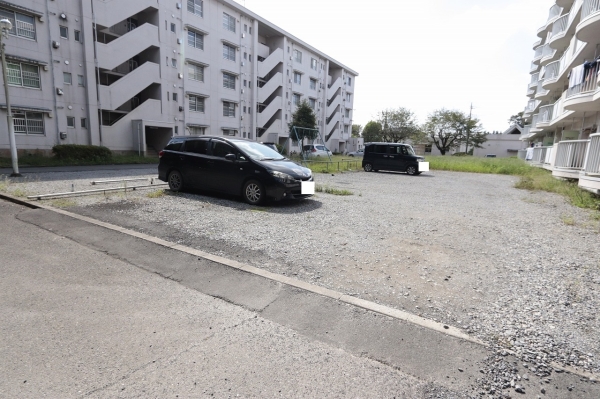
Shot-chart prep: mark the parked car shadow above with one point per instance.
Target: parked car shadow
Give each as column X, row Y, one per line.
column 387, row 172
column 237, row 203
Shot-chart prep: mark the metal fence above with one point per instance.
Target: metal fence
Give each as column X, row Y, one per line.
column 592, row 163
column 571, row 154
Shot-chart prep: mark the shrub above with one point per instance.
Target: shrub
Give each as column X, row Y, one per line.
column 81, row 152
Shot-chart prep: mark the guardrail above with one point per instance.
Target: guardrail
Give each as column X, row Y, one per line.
column 571, row 154
column 592, row 163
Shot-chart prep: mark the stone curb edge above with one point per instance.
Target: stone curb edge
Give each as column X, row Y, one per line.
column 350, row 300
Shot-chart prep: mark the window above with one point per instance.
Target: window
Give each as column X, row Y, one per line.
column 174, row 62
column 174, row 96
column 195, row 7
column 349, row 81
column 176, row 129
column 245, row 28
column 84, row 123
column 228, row 22
column 347, row 113
column 313, row 84
column 221, row 149
column 196, row 146
column 249, row 31
column 228, row 109
column 64, row 32
column 168, row 96
column 228, row 52
column 77, row 35
column 173, row 27
column 22, row 74
column 196, row 72
column 245, row 83
column 195, row 39
column 70, row 121
column 296, row 99
column 228, row 81
column 22, row 25
column 245, row 55
column 345, row 128
column 297, row 77
column 80, row 81
column 167, row 61
column 313, row 64
column 312, row 102
column 28, row 122
column 197, row 131
column 226, row 132
column 348, row 96
column 250, row 57
column 298, row 56
column 67, row 78
column 196, row 103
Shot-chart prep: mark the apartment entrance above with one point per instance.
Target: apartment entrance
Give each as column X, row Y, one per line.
column 150, row 137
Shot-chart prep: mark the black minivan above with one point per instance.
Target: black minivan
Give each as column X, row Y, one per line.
column 233, row 166
column 393, row 156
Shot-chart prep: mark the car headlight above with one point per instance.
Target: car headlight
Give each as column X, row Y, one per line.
column 420, row 159
column 282, row 177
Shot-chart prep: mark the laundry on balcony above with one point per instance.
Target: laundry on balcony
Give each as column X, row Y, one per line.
column 576, row 76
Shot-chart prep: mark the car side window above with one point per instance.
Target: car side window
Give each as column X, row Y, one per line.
column 402, row 150
column 196, row 146
column 174, row 146
column 221, row 149
column 381, row 149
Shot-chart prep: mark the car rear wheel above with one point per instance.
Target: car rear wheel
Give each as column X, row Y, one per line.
column 175, row 181
column 254, row 192
column 368, row 167
column 412, row 170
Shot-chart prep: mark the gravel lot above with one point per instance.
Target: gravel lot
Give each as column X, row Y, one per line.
column 517, row 269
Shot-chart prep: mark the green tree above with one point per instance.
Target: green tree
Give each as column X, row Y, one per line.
column 448, row 129
column 372, row 132
column 304, row 118
column 356, row 130
column 398, row 125
column 517, row 120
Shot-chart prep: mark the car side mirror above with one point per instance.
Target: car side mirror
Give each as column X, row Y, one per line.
column 230, row 157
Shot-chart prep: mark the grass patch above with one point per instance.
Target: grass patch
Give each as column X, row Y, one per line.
column 337, row 163
column 156, row 194
column 568, row 220
column 40, row 161
column 531, row 178
column 19, row 192
column 331, row 190
column 63, row 203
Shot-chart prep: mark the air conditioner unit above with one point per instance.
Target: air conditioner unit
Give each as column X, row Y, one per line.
column 180, row 76
column 63, row 16
column 178, row 41
column 178, row 6
column 55, row 44
column 243, row 35
column 242, row 91
column 180, row 108
column 59, row 91
column 243, row 63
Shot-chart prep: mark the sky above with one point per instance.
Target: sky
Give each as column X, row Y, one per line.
column 423, row 55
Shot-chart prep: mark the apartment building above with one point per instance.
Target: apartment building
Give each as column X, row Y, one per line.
column 563, row 111
column 130, row 74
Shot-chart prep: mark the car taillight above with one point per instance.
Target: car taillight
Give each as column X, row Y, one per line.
column 160, row 154
column 313, row 150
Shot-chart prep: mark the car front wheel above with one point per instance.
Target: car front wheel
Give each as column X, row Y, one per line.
column 412, row 170
column 175, row 181
column 254, row 192
column 368, row 167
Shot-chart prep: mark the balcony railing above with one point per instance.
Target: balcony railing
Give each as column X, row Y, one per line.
column 540, row 90
column 571, row 154
column 559, row 26
column 592, row 163
column 547, row 51
column 534, row 67
column 538, row 52
column 589, row 83
column 534, row 120
column 589, row 7
column 542, row 155
column 532, row 105
column 534, row 79
column 545, row 115
column 555, row 11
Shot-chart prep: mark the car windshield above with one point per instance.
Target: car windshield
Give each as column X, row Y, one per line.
column 410, row 150
column 258, row 151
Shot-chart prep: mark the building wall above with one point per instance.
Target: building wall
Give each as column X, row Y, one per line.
column 500, row 145
column 134, row 73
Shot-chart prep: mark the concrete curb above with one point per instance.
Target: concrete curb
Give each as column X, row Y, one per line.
column 361, row 303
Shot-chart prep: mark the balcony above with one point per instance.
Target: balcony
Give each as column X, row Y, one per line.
column 589, row 178
column 588, row 29
column 548, row 54
column 554, row 12
column 531, row 106
column 540, row 91
column 570, row 158
column 545, row 116
column 542, row 157
column 581, row 96
column 538, row 54
column 534, row 80
column 561, row 32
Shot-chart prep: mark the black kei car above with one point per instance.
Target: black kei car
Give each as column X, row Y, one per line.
column 393, row 156
column 233, row 166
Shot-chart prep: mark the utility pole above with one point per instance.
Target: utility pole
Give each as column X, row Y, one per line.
column 468, row 130
column 6, row 26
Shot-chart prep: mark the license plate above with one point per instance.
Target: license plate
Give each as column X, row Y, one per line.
column 423, row 166
column 307, row 187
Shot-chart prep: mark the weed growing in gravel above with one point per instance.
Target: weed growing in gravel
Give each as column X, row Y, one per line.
column 19, row 192
column 63, row 203
column 156, row 194
column 568, row 220
column 331, row 190
column 4, row 184
column 498, row 166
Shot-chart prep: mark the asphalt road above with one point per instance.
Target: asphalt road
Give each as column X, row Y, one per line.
column 89, row 311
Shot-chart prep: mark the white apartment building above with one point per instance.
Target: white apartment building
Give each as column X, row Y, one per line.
column 563, row 112
column 130, row 74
